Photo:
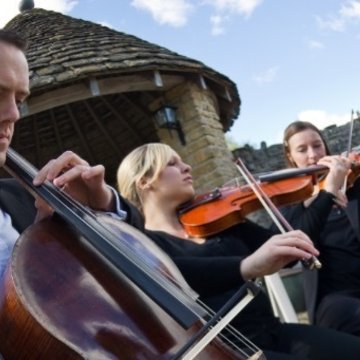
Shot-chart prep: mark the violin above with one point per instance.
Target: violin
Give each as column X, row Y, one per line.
column 211, row 212
column 81, row 285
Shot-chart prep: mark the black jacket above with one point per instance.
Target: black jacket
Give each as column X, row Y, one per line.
column 313, row 220
column 18, row 203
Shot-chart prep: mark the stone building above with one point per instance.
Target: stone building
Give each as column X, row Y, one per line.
column 94, row 90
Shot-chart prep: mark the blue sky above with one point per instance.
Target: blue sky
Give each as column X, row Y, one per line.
column 290, row 60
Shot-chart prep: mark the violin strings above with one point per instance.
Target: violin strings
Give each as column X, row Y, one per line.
column 260, row 196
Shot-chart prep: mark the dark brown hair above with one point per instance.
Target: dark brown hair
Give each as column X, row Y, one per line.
column 294, row 128
column 13, row 38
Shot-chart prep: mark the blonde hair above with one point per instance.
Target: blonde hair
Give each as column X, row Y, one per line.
column 146, row 161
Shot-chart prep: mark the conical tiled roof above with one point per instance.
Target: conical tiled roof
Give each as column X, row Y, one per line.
column 94, row 89
column 65, row 49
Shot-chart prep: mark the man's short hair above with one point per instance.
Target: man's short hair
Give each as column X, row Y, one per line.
column 13, row 38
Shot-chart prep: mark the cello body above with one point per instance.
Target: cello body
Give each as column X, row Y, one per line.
column 60, row 300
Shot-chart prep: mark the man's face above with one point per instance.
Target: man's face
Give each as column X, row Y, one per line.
column 14, row 88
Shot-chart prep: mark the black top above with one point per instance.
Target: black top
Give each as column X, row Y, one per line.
column 332, row 231
column 213, row 270
column 340, row 254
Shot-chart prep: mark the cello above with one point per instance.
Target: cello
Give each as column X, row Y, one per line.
column 81, row 285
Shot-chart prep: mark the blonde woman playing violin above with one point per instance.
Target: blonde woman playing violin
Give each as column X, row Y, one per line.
column 332, row 217
column 154, row 178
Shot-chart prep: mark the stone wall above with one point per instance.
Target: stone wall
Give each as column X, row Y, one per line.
column 206, row 149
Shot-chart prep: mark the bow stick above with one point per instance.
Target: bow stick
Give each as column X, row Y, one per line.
column 273, row 211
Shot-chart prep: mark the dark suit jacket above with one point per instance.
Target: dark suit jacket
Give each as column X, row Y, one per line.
column 18, row 203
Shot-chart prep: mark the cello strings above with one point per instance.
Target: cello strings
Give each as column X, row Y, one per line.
column 107, row 244
column 234, row 332
column 216, row 324
column 164, row 280
column 241, row 339
column 236, row 335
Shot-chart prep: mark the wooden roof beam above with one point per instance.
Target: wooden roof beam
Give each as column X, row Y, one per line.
column 143, row 111
column 55, row 97
column 121, row 119
column 89, row 154
column 102, row 128
column 37, row 142
column 59, row 142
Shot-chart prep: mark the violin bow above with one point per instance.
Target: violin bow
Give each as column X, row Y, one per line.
column 279, row 298
column 272, row 210
column 348, row 150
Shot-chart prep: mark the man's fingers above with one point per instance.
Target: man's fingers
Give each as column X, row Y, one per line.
column 56, row 167
column 70, row 175
column 93, row 173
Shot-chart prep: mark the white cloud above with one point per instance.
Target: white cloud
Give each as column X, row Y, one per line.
column 267, row 76
column 176, row 13
column 352, row 10
column 313, row 44
column 348, row 12
column 171, row 12
column 243, row 7
column 217, row 24
column 322, row 119
column 224, row 9
column 332, row 23
column 8, row 11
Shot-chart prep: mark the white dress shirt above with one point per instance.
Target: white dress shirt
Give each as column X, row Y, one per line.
column 8, row 236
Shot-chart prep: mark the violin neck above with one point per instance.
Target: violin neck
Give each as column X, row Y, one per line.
column 289, row 173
